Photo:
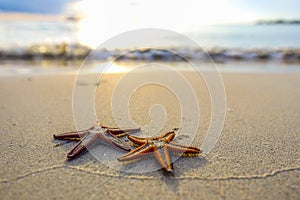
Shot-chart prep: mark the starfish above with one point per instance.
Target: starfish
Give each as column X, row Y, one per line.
column 89, row 137
column 153, row 145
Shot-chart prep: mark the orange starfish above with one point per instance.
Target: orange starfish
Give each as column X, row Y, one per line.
column 88, row 138
column 148, row 145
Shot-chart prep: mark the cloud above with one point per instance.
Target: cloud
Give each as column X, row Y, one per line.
column 35, row 6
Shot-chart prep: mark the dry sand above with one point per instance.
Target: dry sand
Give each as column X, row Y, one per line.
column 257, row 156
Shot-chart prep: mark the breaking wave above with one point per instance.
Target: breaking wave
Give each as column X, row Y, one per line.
column 67, row 51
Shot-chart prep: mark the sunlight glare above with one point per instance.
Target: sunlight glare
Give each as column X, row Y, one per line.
column 112, row 69
column 103, row 19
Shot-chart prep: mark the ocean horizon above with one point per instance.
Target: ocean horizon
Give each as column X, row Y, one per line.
column 24, row 44
column 54, row 39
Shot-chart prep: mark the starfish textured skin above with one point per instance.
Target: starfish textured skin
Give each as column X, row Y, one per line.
column 153, row 145
column 97, row 134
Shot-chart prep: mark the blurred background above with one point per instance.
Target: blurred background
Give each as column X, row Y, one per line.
column 230, row 30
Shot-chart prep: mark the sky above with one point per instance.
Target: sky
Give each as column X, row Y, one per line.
column 107, row 18
column 213, row 10
column 35, row 6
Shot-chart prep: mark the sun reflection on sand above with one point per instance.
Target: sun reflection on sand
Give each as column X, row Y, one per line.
column 111, row 68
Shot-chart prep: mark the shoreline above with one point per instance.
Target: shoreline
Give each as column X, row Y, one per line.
column 79, row 52
column 59, row 67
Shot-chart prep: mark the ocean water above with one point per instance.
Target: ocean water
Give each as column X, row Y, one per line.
column 22, row 34
column 27, row 33
column 35, row 40
column 249, row 36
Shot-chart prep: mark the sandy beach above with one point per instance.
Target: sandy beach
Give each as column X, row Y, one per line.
column 256, row 157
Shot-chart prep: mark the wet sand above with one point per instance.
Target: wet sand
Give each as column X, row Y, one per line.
column 256, row 157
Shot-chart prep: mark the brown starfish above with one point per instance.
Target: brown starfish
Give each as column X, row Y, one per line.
column 89, row 137
column 154, row 144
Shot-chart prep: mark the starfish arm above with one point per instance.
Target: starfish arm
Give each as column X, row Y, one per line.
column 178, row 148
column 137, row 153
column 113, row 140
column 166, row 163
column 169, row 137
column 121, row 132
column 168, row 159
column 184, row 146
column 82, row 146
column 152, row 138
column 74, row 135
column 166, row 134
column 137, row 140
